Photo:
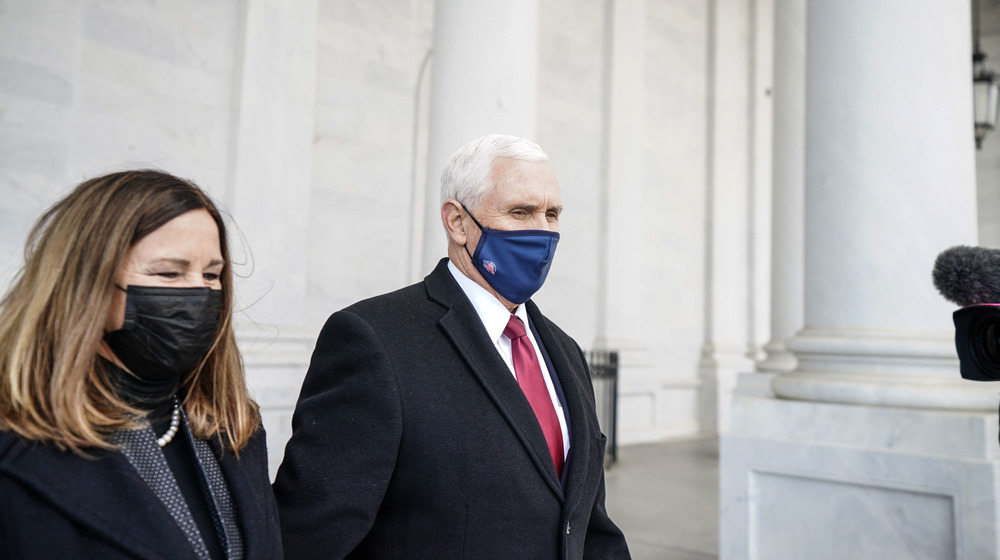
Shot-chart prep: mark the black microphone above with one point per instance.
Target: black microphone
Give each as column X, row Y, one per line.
column 968, row 275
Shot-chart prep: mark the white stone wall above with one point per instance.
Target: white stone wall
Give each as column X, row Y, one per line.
column 570, row 109
column 360, row 220
column 674, row 211
column 92, row 87
column 664, row 232
column 309, row 122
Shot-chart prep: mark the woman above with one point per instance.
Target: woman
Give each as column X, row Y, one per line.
column 126, row 428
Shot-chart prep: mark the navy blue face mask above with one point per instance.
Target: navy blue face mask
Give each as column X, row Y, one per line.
column 514, row 263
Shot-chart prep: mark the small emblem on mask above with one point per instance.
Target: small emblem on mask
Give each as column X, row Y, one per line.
column 490, row 267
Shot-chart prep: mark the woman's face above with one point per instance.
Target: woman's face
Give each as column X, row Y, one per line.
column 182, row 253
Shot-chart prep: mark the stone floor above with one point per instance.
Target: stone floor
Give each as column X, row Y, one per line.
column 665, row 497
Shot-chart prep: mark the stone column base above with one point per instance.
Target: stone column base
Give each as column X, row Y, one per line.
column 719, row 372
column 823, row 480
column 882, row 367
column 779, row 359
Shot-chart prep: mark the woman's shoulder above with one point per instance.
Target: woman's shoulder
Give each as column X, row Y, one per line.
column 25, row 458
column 255, row 450
column 253, row 454
column 8, row 440
column 23, row 461
column 13, row 446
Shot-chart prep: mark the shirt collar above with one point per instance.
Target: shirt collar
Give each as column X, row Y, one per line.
column 491, row 312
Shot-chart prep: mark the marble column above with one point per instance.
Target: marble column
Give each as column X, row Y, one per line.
column 724, row 354
column 621, row 250
column 761, row 179
column 787, row 236
column 890, row 183
column 483, row 81
column 268, row 197
column 271, row 156
column 874, row 447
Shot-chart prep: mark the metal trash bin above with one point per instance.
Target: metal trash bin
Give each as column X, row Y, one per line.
column 604, row 373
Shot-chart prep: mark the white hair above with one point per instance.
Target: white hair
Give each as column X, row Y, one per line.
column 468, row 177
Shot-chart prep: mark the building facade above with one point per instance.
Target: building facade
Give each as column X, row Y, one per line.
column 755, row 192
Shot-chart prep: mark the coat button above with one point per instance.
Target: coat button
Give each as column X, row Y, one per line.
column 567, row 528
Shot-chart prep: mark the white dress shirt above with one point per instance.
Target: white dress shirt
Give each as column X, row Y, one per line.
column 495, row 316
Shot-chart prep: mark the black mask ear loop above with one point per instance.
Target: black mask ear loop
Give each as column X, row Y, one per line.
column 120, row 288
column 480, row 226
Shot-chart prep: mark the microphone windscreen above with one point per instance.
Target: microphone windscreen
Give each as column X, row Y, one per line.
column 968, row 275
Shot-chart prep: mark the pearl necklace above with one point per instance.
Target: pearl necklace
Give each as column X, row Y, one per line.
column 175, row 423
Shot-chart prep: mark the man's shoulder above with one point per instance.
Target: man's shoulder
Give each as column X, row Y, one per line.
column 401, row 298
column 395, row 313
column 435, row 292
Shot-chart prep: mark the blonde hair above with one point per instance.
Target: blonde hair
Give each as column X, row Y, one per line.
column 53, row 386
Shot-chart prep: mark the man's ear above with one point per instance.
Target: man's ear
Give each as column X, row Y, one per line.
column 452, row 214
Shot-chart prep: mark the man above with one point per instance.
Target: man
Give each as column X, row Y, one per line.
column 432, row 424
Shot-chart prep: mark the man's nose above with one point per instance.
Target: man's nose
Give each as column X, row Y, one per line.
column 540, row 221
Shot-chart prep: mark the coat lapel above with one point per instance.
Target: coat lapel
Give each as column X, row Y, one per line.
column 103, row 494
column 572, row 374
column 462, row 325
column 250, row 497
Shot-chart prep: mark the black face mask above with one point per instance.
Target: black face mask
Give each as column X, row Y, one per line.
column 167, row 331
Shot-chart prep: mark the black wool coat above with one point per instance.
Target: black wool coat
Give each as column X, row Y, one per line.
column 56, row 505
column 412, row 440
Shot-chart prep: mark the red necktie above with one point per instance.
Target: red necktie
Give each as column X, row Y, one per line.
column 529, row 377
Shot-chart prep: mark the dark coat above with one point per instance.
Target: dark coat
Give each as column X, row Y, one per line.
column 412, row 440
column 57, row 504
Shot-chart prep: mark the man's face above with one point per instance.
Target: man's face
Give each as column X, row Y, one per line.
column 526, row 196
